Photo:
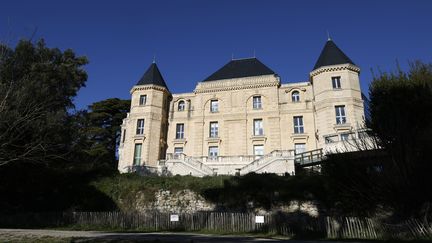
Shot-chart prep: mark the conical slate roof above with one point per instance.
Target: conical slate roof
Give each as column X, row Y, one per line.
column 331, row 55
column 152, row 76
column 240, row 68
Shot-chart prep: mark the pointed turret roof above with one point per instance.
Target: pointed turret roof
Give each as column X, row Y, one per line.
column 152, row 76
column 238, row 68
column 331, row 55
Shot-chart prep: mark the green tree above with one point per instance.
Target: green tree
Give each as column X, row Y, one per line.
column 37, row 87
column 401, row 115
column 102, row 129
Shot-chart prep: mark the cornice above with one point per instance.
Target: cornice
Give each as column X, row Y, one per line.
column 333, row 68
column 147, row 87
column 237, row 84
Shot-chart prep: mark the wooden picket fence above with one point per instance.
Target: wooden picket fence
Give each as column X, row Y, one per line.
column 366, row 228
column 227, row 222
column 155, row 221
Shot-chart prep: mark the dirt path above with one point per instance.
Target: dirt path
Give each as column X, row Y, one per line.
column 42, row 235
column 15, row 235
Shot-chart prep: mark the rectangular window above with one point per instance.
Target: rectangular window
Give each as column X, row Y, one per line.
column 258, row 151
column 300, row 148
column 258, row 127
column 298, row 124
column 346, row 136
column 180, row 131
column 178, row 150
column 214, row 129
column 213, row 152
column 336, row 82
column 214, row 106
column 140, row 127
column 124, row 136
column 340, row 114
column 137, row 154
column 257, row 102
column 143, row 99
column 331, row 139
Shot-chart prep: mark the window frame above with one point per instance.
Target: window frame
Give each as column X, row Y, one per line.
column 214, row 108
column 258, row 130
column 140, row 126
column 295, row 96
column 340, row 118
column 180, row 131
column 255, row 150
column 214, row 129
column 331, row 139
column 336, row 82
column 346, row 136
column 298, row 124
column 297, row 145
column 143, row 100
column 137, row 159
column 176, row 150
column 124, row 136
column 181, row 104
column 210, row 152
column 257, row 102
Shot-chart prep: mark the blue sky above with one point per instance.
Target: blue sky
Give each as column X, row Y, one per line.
column 192, row 39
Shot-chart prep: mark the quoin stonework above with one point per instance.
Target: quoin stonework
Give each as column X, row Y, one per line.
column 242, row 119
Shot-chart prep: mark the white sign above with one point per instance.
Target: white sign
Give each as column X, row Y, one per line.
column 259, row 219
column 174, row 218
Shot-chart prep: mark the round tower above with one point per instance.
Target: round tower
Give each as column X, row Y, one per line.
column 144, row 130
column 338, row 104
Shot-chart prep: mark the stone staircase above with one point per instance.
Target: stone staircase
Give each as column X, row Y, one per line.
column 184, row 165
column 278, row 161
column 264, row 161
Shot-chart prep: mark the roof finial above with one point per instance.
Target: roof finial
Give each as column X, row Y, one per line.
column 232, row 56
column 328, row 36
column 154, row 58
column 254, row 54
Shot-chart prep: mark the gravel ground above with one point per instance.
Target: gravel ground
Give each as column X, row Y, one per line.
column 31, row 235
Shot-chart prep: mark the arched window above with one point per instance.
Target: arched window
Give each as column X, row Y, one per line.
column 295, row 96
column 181, row 105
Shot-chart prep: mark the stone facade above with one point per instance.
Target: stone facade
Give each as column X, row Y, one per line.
column 242, row 121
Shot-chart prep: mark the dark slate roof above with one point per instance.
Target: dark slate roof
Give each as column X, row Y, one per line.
column 331, row 55
column 241, row 68
column 152, row 76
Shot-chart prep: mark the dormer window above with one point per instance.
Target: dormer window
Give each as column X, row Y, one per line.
column 181, row 105
column 295, row 96
column 143, row 99
column 336, row 82
column 214, row 106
